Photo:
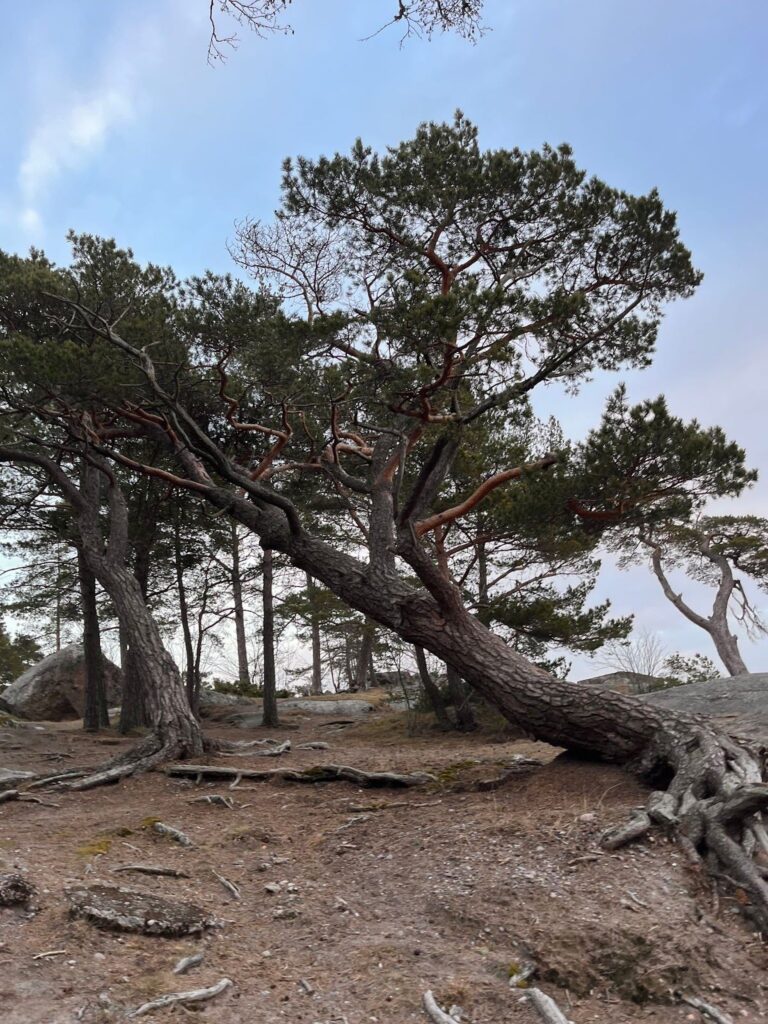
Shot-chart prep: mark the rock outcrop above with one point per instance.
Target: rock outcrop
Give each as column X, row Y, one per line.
column 739, row 704
column 54, row 689
column 633, row 683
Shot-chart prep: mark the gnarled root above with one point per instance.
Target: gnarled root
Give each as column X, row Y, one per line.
column 147, row 755
column 713, row 806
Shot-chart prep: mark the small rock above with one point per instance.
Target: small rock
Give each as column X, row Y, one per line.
column 286, row 913
column 588, row 817
column 14, row 890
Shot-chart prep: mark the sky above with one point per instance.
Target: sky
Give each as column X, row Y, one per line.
column 114, row 123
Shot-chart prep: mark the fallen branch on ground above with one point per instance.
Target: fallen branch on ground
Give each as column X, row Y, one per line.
column 197, row 995
column 215, row 798
column 707, row 1010
column 229, row 886
column 283, row 748
column 188, row 962
column 234, row 745
column 438, row 1015
column 546, row 1007
column 151, row 869
column 173, row 833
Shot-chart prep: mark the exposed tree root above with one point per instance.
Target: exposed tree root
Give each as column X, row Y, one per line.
column 197, row 995
column 150, row 753
column 318, row 773
column 712, row 806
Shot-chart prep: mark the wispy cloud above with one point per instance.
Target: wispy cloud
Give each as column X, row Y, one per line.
column 65, row 141
column 87, row 111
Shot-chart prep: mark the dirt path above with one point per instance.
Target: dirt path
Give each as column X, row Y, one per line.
column 382, row 894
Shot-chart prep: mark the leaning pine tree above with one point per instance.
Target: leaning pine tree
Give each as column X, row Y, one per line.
column 424, row 289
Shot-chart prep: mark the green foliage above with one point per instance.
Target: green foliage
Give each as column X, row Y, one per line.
column 17, row 654
column 693, row 668
column 643, row 467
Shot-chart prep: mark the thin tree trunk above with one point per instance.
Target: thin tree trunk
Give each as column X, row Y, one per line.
column 348, row 662
column 367, row 640
column 58, row 600
column 243, row 672
column 189, row 653
column 96, row 714
column 269, row 714
column 431, row 689
column 314, row 620
column 482, row 587
column 726, row 644
column 459, row 694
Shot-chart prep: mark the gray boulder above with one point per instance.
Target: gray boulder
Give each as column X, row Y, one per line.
column 327, row 707
column 624, row 682
column 738, row 704
column 54, row 689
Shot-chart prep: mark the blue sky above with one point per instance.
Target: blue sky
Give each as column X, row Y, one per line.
column 114, row 123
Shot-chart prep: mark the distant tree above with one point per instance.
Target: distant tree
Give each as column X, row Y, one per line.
column 17, row 654
column 642, row 654
column 643, row 479
column 690, row 668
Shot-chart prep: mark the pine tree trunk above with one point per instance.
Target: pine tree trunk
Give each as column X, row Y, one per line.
column 189, row 653
column 727, row 647
column 163, row 692
column 364, row 655
column 459, row 694
column 431, row 689
column 135, row 711
column 96, row 714
column 317, row 660
column 244, row 676
column 269, row 714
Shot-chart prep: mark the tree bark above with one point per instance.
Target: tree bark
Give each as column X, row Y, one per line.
column 243, row 673
column 367, row 641
column 96, row 714
column 189, row 652
column 314, row 621
column 716, row 625
column 269, row 713
column 459, row 694
column 134, row 710
column 431, row 689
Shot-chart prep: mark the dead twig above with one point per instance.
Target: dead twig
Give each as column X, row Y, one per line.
column 229, row 886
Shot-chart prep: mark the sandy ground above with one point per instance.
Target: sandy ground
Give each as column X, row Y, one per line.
column 383, row 893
